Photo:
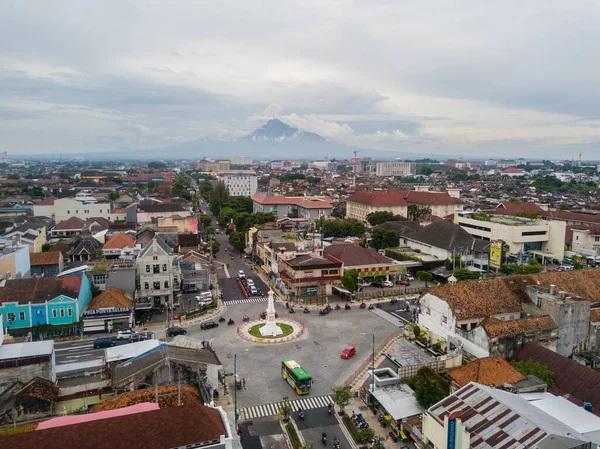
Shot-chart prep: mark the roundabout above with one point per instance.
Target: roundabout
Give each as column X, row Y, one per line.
column 286, row 330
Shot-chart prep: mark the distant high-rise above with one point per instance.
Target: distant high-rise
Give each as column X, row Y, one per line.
column 395, row 168
column 241, row 160
column 209, row 165
column 4, row 157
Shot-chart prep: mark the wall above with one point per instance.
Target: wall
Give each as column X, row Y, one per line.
column 25, row 373
column 360, row 211
column 185, row 225
column 17, row 309
column 65, row 304
column 123, row 278
column 22, row 263
column 85, row 295
column 43, row 211
column 66, row 208
column 437, row 434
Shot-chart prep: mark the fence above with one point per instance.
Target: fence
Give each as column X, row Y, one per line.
column 369, row 361
column 390, row 292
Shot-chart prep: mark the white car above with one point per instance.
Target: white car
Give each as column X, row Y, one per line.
column 388, row 284
column 241, row 274
column 364, row 284
column 409, row 277
column 250, row 282
column 124, row 335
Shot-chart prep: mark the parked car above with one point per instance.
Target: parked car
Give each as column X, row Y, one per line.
column 377, row 284
column 192, row 289
column 388, row 284
column 136, row 337
column 402, row 282
column 205, row 302
column 409, row 277
column 250, row 282
column 209, row 325
column 348, row 352
column 103, row 342
column 124, row 335
column 174, row 330
column 241, row 274
column 364, row 284
column 253, row 291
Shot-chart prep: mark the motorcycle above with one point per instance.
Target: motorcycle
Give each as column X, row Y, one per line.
column 230, row 322
column 227, row 264
column 292, row 310
column 324, row 439
column 362, row 305
column 378, row 305
column 329, row 410
column 393, row 301
column 306, row 310
column 287, row 305
column 371, row 306
column 221, row 319
column 322, row 312
column 246, row 318
column 336, row 443
column 347, row 307
column 337, row 307
column 301, row 415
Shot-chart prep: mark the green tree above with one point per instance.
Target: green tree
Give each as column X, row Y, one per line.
column 450, row 265
column 510, row 269
column 209, row 230
column 425, row 170
column 114, row 195
column 414, row 211
column 349, row 280
column 215, row 246
column 285, row 408
column 428, row 392
column 218, row 198
column 538, row 370
column 357, row 228
column 532, row 268
column 424, row 276
column 204, row 220
column 156, row 165
column 151, row 185
column 46, row 247
column 341, row 396
column 564, row 206
column 376, row 218
column 13, row 176
column 238, row 240
column 464, row 274
column 97, row 254
column 383, row 238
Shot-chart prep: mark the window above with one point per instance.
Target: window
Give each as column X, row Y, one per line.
column 164, row 267
column 147, row 268
column 21, row 316
column 596, row 239
column 76, row 211
column 10, row 316
column 62, row 312
column 528, row 233
column 69, row 311
column 146, row 285
column 166, row 284
column 155, row 258
column 444, row 319
column 333, row 271
column 463, row 327
column 68, row 212
column 54, row 313
column 156, row 269
column 156, row 285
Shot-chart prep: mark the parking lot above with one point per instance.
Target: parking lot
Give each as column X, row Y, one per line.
column 317, row 350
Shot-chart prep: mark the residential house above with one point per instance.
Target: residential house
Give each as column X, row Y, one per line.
column 14, row 260
column 75, row 226
column 110, row 311
column 147, row 211
column 46, row 264
column 158, row 274
column 31, row 233
column 308, row 275
column 26, row 303
column 369, row 264
column 586, row 240
column 118, row 273
column 82, row 247
column 482, row 416
column 304, row 207
column 120, row 246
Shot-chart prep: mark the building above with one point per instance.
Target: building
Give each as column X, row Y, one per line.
column 304, row 207
column 395, row 168
column 239, row 182
column 31, row 233
column 143, row 425
column 60, row 210
column 543, row 238
column 120, row 246
column 14, row 260
column 118, row 273
column 148, row 211
column 240, row 160
column 506, row 163
column 360, row 204
column 481, row 416
column 309, row 275
column 26, row 303
column 369, row 264
column 46, row 264
column 28, row 401
column 586, row 241
column 212, row 166
column 110, row 311
column 158, row 274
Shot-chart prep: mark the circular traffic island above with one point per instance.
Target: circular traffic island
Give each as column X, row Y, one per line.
column 285, row 328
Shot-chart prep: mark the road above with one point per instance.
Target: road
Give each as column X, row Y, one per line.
column 79, row 351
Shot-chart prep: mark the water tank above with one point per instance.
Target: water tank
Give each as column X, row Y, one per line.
column 587, row 406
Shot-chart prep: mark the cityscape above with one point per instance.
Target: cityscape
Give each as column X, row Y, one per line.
column 372, row 225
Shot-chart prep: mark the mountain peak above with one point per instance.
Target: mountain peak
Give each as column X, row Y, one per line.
column 276, row 130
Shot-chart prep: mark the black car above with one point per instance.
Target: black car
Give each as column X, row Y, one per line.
column 209, row 325
column 377, row 284
column 103, row 342
column 172, row 331
column 191, row 290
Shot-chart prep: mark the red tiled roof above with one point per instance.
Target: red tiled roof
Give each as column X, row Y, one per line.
column 354, row 255
column 73, row 223
column 394, row 197
column 594, row 315
column 493, row 371
column 119, row 241
column 497, row 328
column 378, row 199
column 112, row 297
column 38, row 290
column 47, row 258
column 305, row 202
column 47, row 201
column 574, row 216
column 517, row 207
column 513, row 170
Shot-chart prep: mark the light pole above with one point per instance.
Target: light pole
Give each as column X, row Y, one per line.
column 372, row 364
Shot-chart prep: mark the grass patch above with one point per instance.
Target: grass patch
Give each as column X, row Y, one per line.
column 291, row 430
column 286, row 328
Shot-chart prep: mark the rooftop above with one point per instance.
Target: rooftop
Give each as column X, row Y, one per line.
column 119, row 241
column 493, row 371
column 498, row 328
column 353, row 255
column 47, row 258
column 39, row 290
column 29, row 349
column 112, row 297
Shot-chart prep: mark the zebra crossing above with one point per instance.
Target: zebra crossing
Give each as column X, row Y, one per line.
column 307, row 403
column 249, row 300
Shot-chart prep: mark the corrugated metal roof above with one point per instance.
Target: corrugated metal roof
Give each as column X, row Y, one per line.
column 30, row 349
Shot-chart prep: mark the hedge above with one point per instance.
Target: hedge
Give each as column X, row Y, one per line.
column 291, row 430
column 359, row 435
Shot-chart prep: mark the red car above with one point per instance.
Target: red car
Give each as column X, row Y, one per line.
column 402, row 282
column 348, row 352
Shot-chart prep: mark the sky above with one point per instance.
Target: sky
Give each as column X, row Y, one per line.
column 477, row 78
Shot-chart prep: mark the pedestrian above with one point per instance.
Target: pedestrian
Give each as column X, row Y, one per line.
column 239, row 431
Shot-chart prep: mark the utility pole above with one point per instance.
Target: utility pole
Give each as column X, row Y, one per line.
column 235, row 390
column 373, row 369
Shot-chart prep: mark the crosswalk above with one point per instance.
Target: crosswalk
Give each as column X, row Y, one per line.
column 249, row 300
column 306, row 403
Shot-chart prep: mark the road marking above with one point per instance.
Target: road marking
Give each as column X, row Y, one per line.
column 254, row 299
column 272, row 409
column 70, row 348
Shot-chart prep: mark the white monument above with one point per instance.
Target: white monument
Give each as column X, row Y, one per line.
column 270, row 329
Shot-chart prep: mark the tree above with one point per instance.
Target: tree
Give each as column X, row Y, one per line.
column 218, row 198
column 414, row 211
column 463, row 274
column 114, row 195
column 46, row 247
column 424, row 276
column 428, row 392
column 564, row 206
column 13, row 176
column 540, row 371
column 532, row 268
column 215, row 246
column 383, row 238
column 238, row 240
column 204, row 220
column 349, row 280
column 97, row 253
column 425, row 170
column 285, row 408
column 157, row 165
column 209, row 230
column 450, row 265
column 357, row 228
column 376, row 218
column 151, row 185
column 341, row 396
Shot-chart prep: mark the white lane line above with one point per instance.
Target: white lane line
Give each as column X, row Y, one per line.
column 71, row 348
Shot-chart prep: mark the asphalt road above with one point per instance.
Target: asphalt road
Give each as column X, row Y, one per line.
column 317, row 421
column 79, row 351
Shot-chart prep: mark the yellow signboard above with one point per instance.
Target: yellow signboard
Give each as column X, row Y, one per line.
column 495, row 253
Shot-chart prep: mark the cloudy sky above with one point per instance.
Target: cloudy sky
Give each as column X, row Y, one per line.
column 447, row 77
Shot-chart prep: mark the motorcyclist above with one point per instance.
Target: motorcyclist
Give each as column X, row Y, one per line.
column 324, row 438
column 301, row 414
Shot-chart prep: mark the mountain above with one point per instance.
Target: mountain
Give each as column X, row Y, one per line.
column 277, row 131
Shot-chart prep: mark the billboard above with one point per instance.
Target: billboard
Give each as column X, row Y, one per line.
column 495, row 253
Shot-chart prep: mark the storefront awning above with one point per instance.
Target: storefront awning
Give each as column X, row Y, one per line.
column 342, row 290
column 398, row 401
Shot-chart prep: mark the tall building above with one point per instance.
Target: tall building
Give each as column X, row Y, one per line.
column 241, row 160
column 209, row 165
column 239, row 182
column 395, row 168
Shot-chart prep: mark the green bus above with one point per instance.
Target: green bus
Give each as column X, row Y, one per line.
column 296, row 376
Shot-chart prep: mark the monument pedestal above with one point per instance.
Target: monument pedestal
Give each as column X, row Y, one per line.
column 270, row 329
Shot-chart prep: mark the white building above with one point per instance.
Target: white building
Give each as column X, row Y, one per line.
column 239, row 182
column 541, row 237
column 395, row 168
column 62, row 209
column 586, row 241
column 241, row 160
column 305, row 207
